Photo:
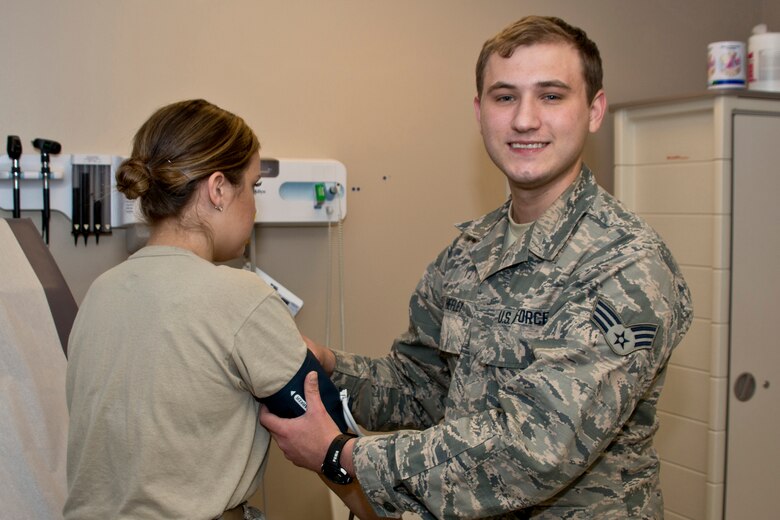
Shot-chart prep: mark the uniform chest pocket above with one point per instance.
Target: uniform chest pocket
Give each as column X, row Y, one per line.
column 484, row 368
column 503, row 358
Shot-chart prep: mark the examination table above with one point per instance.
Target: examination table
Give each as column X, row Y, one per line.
column 36, row 314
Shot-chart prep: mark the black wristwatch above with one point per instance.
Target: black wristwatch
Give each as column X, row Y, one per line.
column 331, row 466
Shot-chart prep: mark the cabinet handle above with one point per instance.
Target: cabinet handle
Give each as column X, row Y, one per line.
column 745, row 386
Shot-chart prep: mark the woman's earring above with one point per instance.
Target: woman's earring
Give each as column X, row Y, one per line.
column 218, row 208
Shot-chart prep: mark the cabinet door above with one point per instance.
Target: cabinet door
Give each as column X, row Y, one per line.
column 753, row 453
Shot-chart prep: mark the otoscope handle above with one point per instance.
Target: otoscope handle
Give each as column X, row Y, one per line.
column 46, row 210
column 46, row 146
column 16, row 174
column 14, row 149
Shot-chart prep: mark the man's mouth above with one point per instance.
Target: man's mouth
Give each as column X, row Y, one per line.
column 527, row 146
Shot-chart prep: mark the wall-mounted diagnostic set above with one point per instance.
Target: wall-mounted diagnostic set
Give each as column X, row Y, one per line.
column 292, row 192
column 83, row 188
column 78, row 186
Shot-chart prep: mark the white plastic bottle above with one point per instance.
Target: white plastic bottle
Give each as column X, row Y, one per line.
column 764, row 60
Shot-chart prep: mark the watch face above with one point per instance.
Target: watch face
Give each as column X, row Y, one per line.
column 336, row 474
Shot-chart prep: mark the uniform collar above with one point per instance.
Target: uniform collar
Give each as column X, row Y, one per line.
column 546, row 236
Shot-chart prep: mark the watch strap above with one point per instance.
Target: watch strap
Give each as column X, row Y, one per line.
column 331, row 466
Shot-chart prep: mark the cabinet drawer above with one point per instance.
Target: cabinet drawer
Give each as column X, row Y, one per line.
column 672, row 134
column 702, row 188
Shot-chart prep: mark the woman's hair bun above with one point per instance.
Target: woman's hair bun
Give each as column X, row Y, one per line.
column 133, row 178
column 179, row 146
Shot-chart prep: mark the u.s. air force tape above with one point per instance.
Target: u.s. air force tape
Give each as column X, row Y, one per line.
column 622, row 339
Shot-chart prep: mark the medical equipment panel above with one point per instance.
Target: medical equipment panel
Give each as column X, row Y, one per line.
column 301, row 191
column 83, row 188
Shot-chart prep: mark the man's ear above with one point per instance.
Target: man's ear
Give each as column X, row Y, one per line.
column 598, row 108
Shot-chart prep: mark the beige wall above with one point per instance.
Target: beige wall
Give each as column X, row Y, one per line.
column 769, row 13
column 384, row 87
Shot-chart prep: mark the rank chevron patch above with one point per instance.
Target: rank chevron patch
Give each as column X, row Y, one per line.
column 622, row 339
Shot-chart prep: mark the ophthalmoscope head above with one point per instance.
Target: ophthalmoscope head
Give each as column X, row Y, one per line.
column 14, row 147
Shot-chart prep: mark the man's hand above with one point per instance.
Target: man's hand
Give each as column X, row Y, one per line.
column 323, row 354
column 304, row 440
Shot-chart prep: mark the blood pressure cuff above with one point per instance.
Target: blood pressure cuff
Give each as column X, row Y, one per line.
column 290, row 401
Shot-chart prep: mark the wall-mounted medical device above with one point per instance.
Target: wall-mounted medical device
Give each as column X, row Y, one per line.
column 301, row 192
column 93, row 187
column 83, row 188
column 78, row 186
column 292, row 192
column 29, row 176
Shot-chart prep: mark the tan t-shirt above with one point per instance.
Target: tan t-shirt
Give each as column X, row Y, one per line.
column 514, row 230
column 165, row 357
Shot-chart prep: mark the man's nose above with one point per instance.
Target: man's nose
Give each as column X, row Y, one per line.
column 526, row 116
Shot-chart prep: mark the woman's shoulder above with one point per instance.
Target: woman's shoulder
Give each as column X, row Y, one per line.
column 241, row 283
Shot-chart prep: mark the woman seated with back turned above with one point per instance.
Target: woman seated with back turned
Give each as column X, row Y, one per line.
column 169, row 351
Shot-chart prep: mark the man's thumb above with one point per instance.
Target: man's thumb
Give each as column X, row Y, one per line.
column 311, row 388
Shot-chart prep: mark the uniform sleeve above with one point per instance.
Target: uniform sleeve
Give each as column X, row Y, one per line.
column 556, row 416
column 406, row 389
column 268, row 349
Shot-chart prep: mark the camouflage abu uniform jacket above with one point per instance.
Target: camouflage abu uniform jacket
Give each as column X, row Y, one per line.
column 531, row 378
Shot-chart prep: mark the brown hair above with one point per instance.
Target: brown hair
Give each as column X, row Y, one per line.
column 177, row 147
column 544, row 29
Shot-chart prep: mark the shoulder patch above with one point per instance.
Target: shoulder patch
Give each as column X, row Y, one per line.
column 623, row 339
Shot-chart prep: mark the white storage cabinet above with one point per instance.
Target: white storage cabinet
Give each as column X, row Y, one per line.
column 704, row 171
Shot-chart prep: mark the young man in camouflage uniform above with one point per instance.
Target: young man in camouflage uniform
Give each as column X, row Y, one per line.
column 528, row 380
